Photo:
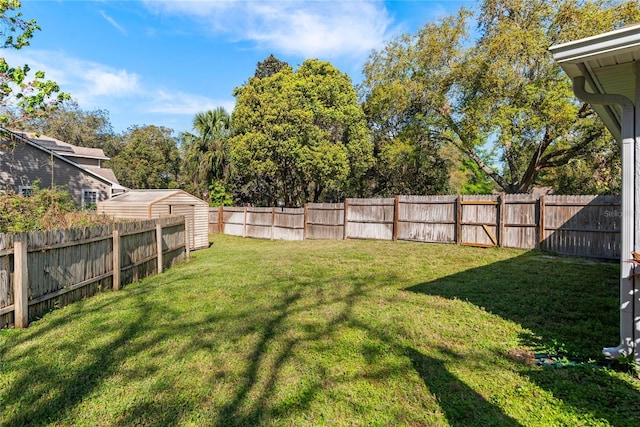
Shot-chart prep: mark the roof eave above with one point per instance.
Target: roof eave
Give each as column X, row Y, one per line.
column 618, row 41
column 574, row 58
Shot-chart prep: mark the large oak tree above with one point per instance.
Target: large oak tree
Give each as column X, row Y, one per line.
column 495, row 92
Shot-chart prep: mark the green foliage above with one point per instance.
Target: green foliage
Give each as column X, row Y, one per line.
column 20, row 97
column 299, row 136
column 599, row 173
column 205, row 154
column 218, row 195
column 499, row 89
column 37, row 212
column 69, row 123
column 147, row 158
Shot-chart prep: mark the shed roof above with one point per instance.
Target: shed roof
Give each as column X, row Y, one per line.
column 150, row 196
column 606, row 62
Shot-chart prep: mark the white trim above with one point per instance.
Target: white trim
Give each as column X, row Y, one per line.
column 25, row 190
column 618, row 41
column 90, row 190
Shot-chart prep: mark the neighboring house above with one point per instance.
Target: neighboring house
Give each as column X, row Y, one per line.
column 26, row 158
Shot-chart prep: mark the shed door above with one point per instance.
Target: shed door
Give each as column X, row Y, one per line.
column 189, row 213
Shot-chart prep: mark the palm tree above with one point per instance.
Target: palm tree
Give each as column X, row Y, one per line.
column 205, row 152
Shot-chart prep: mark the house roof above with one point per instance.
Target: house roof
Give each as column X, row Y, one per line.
column 22, row 138
column 606, row 63
column 107, row 174
column 150, row 196
column 64, row 148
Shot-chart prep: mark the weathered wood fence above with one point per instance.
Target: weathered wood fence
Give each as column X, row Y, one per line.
column 573, row 225
column 40, row 271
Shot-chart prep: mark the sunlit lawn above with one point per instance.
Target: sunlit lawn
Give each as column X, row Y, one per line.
column 254, row 332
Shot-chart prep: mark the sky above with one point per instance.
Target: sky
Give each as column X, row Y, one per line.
column 161, row 62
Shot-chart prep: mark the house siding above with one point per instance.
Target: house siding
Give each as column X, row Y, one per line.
column 83, row 161
column 24, row 164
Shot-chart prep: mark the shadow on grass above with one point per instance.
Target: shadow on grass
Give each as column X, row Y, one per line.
column 462, row 405
column 567, row 306
column 50, row 394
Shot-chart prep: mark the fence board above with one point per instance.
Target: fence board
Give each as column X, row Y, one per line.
column 288, row 224
column 574, row 225
column 67, row 265
column 325, row 221
column 370, row 218
column 520, row 221
column 233, row 219
column 258, row 223
column 582, row 225
column 427, row 218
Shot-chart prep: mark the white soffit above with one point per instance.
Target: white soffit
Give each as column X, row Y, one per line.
column 606, row 62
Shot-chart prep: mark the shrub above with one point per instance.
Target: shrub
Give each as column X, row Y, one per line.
column 45, row 209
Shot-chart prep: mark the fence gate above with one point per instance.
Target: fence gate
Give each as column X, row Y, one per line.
column 479, row 221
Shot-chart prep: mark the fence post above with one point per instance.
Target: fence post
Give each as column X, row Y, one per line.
column 304, row 231
column 458, row 219
column 116, row 259
column 244, row 229
column 396, row 216
column 20, row 285
column 500, row 228
column 273, row 221
column 344, row 228
column 187, row 238
column 159, row 246
column 541, row 209
column 220, row 219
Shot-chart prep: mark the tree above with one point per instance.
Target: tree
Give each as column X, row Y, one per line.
column 205, row 157
column 501, row 90
column 20, row 97
column 147, row 158
column 270, row 66
column 299, row 136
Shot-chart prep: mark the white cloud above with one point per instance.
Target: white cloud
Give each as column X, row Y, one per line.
column 88, row 82
column 305, row 28
column 165, row 102
column 113, row 22
column 123, row 93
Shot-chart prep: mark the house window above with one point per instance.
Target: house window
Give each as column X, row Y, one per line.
column 89, row 198
column 25, row 190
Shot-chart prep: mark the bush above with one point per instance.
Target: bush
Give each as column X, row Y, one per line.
column 45, row 209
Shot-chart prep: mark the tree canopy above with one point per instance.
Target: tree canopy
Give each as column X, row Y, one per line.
column 22, row 95
column 147, row 158
column 206, row 165
column 84, row 128
column 495, row 94
column 299, row 136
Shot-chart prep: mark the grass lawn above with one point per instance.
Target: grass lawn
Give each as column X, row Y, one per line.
column 253, row 332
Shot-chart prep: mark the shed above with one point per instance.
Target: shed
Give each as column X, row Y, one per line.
column 147, row 204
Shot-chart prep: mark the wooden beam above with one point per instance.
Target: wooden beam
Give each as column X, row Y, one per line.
column 159, row 247
column 490, row 234
column 396, row 216
column 20, row 285
column 116, row 259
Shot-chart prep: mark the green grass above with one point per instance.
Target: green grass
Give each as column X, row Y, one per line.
column 333, row 333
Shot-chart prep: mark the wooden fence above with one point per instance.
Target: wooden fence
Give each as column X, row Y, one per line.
column 572, row 225
column 40, row 271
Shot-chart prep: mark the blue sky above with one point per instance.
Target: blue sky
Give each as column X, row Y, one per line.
column 160, row 62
